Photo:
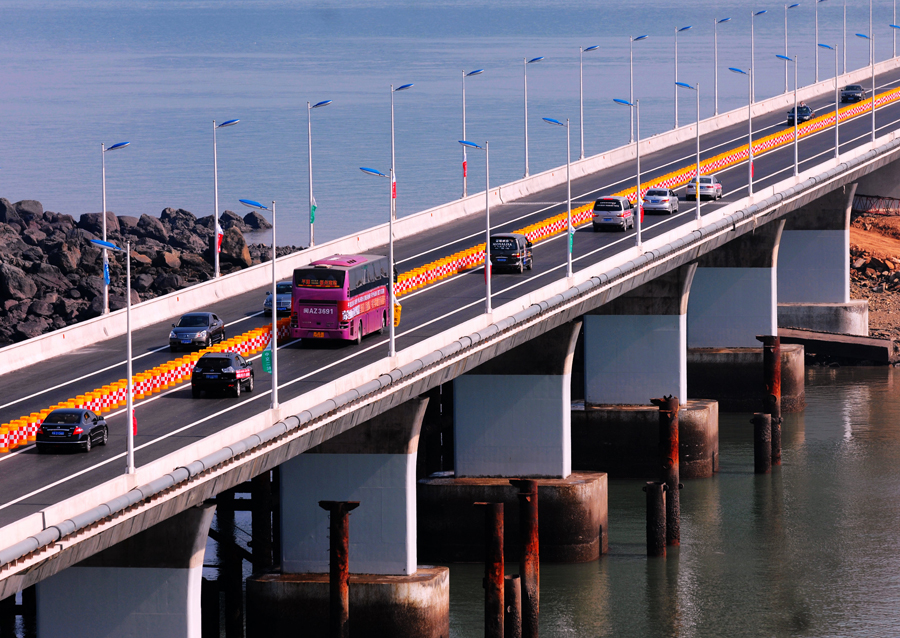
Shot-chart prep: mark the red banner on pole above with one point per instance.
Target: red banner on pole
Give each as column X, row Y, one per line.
column 134, row 422
column 394, row 189
column 464, row 169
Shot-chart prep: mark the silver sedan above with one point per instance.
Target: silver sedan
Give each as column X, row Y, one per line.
column 661, row 200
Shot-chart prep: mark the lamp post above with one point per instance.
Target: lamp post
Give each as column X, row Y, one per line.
column 465, row 167
column 526, row 62
column 871, row 39
column 312, row 199
column 716, row 24
column 749, row 74
column 129, row 397
column 274, row 342
column 753, row 15
column 894, row 33
column 837, row 102
column 631, row 81
column 796, row 114
column 103, row 152
column 487, row 221
column 636, row 105
column 696, row 89
column 570, row 238
column 844, row 42
column 677, row 31
column 582, row 51
column 403, row 87
column 392, row 350
column 216, row 194
column 817, row 39
column 786, row 7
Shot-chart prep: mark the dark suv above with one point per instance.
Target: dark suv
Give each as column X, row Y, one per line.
column 511, row 250
column 226, row 371
column 853, row 93
column 804, row 113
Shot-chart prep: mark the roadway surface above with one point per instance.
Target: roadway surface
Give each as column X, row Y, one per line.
column 172, row 419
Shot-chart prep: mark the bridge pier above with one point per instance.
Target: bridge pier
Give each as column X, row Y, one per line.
column 814, row 268
column 635, row 348
column 373, row 463
column 145, row 586
column 512, row 419
column 733, row 299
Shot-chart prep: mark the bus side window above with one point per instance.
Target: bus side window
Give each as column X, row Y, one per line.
column 371, row 277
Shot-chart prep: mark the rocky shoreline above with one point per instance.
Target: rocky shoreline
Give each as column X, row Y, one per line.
column 51, row 275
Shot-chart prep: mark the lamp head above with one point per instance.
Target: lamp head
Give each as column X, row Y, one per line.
column 640, row 37
column 537, row 59
column 323, row 103
column 475, row 72
column 252, row 204
column 106, row 244
column 723, row 20
column 117, row 146
column 784, row 57
column 470, row 144
column 593, row 48
column 759, row 13
column 734, row 69
column 403, row 87
column 622, row 102
column 550, row 120
column 684, row 28
column 372, row 171
column 686, row 86
column 228, row 123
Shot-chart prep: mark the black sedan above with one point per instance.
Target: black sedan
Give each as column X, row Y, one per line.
column 222, row 371
column 804, row 112
column 196, row 329
column 853, row 93
column 72, row 428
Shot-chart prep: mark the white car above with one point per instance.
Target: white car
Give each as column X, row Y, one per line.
column 661, row 200
column 710, row 188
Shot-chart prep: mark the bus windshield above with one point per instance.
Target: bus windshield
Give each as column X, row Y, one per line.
column 319, row 278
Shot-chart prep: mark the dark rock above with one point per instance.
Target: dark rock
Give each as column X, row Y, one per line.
column 193, row 260
column 142, row 282
column 8, row 212
column 166, row 283
column 10, row 240
column 93, row 222
column 168, row 260
column 74, row 293
column 256, row 221
column 40, row 308
column 128, row 224
column 91, row 287
column 9, row 304
column 33, row 254
column 208, row 222
column 50, row 297
column 15, row 284
column 234, row 248
column 117, row 302
column 178, row 219
column 140, row 258
column 33, row 237
column 29, row 209
column 31, row 327
column 230, row 219
column 187, row 241
column 66, row 257
column 84, row 234
column 152, row 228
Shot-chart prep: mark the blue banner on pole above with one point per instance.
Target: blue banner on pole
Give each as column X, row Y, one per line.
column 106, row 273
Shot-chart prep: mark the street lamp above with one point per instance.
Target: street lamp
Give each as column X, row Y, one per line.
column 749, row 74
column 274, row 342
column 636, row 105
column 871, row 39
column 716, row 24
column 392, row 350
column 129, row 397
column 753, row 51
column 844, row 43
column 403, row 87
column 216, row 194
column 696, row 89
column 487, row 221
column 794, row 6
column 582, row 51
column 631, row 81
column 571, row 231
column 465, row 167
column 796, row 114
column 677, row 31
column 526, row 62
column 312, row 199
column 837, row 102
column 817, row 39
column 103, row 152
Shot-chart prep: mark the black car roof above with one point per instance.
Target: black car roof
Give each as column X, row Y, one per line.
column 196, row 314
column 70, row 411
column 510, row 235
column 215, row 355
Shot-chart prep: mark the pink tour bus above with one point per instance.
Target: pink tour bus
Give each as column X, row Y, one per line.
column 340, row 297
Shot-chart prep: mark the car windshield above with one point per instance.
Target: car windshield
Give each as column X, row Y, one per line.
column 318, row 278
column 214, row 363
column 706, row 180
column 853, row 87
column 193, row 321
column 284, row 288
column 63, row 417
column 503, row 243
column 608, row 204
column 655, row 193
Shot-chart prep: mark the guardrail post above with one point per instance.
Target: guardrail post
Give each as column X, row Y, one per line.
column 772, row 380
column 493, row 569
column 529, row 560
column 339, row 561
column 669, row 465
column 762, row 443
column 656, row 518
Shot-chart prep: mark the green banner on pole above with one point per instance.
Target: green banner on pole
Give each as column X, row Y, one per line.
column 267, row 360
column 312, row 211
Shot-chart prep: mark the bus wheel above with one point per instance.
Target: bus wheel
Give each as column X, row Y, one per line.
column 359, row 333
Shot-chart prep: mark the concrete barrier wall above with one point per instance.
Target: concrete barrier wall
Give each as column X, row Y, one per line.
column 201, row 295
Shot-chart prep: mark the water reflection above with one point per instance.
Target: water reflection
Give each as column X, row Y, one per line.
column 806, row 551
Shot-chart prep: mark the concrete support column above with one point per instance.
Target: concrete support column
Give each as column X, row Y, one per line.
column 144, row 587
column 734, row 292
column 635, row 347
column 512, row 414
column 814, row 268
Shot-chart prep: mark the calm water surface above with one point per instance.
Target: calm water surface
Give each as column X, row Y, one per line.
column 76, row 73
column 810, row 550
